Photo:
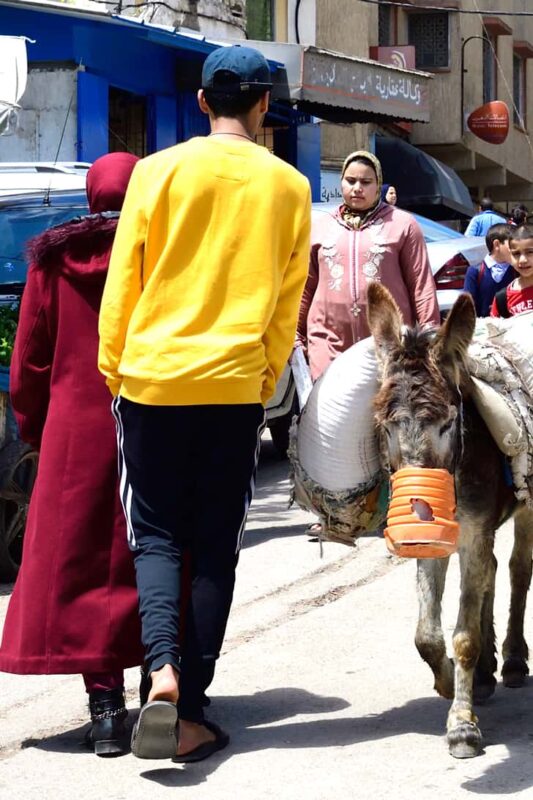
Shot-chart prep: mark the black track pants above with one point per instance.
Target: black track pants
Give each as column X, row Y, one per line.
column 187, row 479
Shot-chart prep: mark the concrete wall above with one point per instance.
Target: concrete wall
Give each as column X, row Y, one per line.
column 444, row 95
column 503, row 171
column 346, row 26
column 41, row 120
column 351, row 28
column 213, row 18
column 306, row 21
column 340, row 140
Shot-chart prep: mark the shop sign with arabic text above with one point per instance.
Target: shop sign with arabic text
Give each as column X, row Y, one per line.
column 350, row 83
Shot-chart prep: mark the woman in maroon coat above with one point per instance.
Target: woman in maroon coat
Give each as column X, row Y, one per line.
column 74, row 606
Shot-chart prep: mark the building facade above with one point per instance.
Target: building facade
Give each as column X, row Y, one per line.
column 99, row 82
column 475, row 55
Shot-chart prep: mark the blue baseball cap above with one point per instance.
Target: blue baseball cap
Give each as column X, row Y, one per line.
column 236, row 69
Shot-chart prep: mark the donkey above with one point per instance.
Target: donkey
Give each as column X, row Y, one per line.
column 425, row 418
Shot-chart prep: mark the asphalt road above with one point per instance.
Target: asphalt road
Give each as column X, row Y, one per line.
column 320, row 687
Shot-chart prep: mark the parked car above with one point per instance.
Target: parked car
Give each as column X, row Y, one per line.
column 450, row 255
column 24, row 215
column 17, row 177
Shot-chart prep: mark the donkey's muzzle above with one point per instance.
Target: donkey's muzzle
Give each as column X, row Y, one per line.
column 421, row 519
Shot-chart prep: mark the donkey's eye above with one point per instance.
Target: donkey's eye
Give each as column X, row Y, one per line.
column 446, row 427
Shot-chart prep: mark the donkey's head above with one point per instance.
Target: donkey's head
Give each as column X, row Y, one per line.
column 419, row 405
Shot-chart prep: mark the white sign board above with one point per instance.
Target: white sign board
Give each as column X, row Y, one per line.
column 330, row 186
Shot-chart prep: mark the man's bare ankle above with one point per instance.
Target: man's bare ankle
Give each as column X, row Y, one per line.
column 164, row 684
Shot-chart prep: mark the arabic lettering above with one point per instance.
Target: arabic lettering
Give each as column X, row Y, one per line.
column 362, row 80
column 328, row 194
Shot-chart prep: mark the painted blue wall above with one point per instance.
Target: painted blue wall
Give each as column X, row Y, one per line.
column 143, row 61
column 121, row 52
column 93, row 113
column 308, row 155
column 110, row 54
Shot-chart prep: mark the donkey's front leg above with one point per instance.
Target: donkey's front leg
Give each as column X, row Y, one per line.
column 429, row 639
column 464, row 736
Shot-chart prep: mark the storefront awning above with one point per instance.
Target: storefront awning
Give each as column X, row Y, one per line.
column 339, row 88
column 425, row 185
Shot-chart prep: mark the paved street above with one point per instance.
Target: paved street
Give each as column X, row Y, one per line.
column 320, row 687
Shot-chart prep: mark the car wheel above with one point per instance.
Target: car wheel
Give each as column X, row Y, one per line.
column 18, row 469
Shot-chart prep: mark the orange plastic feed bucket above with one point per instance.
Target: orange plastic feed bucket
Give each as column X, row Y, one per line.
column 421, row 519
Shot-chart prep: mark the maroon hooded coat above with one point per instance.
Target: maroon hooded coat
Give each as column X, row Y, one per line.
column 74, row 606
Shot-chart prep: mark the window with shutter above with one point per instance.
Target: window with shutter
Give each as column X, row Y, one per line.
column 429, row 33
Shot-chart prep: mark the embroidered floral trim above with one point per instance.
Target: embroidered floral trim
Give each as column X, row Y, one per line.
column 332, row 260
column 376, row 252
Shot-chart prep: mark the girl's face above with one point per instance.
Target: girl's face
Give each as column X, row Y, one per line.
column 391, row 196
column 359, row 186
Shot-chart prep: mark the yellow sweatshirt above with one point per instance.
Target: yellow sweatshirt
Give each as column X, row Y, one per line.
column 208, row 265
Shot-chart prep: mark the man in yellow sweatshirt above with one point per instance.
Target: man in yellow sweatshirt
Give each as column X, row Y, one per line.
column 197, row 322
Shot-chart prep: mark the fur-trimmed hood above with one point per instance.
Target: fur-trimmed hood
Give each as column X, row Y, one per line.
column 80, row 248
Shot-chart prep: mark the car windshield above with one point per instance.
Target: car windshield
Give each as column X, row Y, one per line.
column 19, row 222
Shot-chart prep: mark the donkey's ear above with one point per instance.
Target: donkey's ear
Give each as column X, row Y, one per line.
column 384, row 319
column 454, row 336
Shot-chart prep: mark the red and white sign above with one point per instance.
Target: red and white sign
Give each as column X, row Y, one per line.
column 399, row 56
column 490, row 122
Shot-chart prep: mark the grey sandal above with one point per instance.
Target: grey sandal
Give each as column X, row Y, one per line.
column 154, row 733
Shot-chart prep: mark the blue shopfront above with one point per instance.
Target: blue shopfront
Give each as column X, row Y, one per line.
column 132, row 86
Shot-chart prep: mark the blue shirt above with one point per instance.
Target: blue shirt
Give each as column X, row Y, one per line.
column 480, row 223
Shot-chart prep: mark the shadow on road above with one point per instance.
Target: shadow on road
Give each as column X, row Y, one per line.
column 243, row 717
column 261, row 535
column 506, row 719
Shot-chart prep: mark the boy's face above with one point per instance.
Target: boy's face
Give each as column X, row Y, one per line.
column 501, row 252
column 522, row 258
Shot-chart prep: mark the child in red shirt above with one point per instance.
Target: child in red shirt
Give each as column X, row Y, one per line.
column 518, row 296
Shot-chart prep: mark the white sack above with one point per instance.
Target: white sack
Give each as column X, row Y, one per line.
column 336, row 443
column 514, row 338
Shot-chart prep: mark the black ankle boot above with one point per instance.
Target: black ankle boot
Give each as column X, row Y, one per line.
column 108, row 712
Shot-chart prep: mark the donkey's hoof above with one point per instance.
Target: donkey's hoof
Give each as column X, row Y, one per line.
column 464, row 741
column 514, row 672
